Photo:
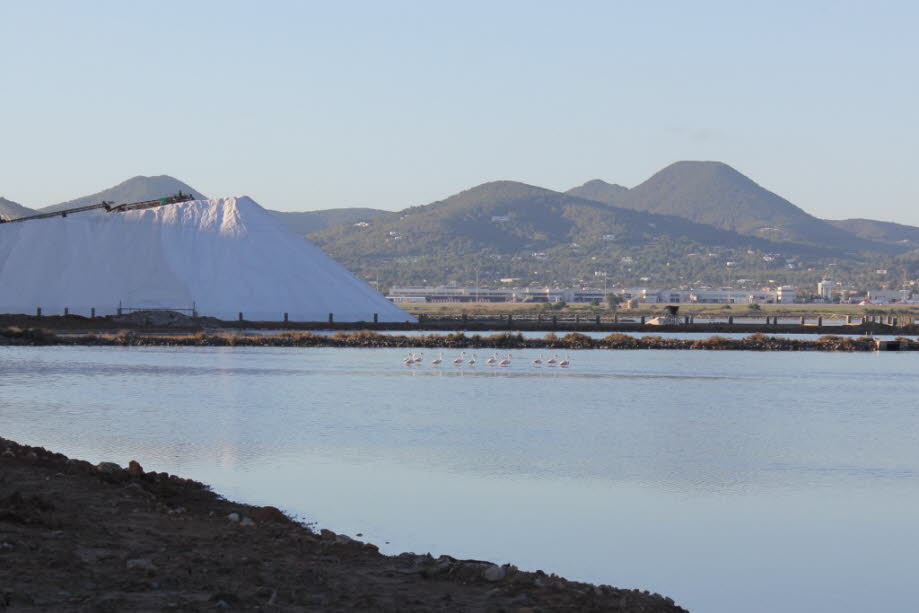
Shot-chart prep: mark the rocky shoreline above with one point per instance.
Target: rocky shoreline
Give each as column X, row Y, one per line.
column 504, row 341
column 81, row 537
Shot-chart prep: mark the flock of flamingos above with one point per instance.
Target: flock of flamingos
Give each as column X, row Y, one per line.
column 416, row 359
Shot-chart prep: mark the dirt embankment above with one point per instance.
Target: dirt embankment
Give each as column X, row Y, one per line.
column 78, row 537
column 507, row 340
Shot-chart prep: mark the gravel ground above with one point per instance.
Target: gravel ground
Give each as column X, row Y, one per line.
column 78, row 537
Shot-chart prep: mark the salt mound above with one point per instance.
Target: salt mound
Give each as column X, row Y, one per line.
column 224, row 256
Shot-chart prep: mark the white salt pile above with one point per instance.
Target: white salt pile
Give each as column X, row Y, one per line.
column 224, row 256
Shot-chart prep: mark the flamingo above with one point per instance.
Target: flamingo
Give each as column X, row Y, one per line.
column 408, row 360
column 438, row 360
column 538, row 360
column 472, row 361
column 552, row 361
column 460, row 359
column 419, row 358
column 566, row 362
column 506, row 361
column 492, row 360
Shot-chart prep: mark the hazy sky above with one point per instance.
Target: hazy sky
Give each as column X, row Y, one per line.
column 308, row 105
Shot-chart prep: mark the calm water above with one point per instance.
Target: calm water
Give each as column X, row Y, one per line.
column 731, row 481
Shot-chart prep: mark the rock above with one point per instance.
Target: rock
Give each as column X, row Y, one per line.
column 233, row 516
column 269, row 514
column 135, row 469
column 140, row 564
column 246, row 522
column 343, row 539
column 93, row 555
column 440, row 567
column 108, row 467
column 494, row 573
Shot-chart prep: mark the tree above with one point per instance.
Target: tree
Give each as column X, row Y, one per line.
column 754, row 307
column 613, row 300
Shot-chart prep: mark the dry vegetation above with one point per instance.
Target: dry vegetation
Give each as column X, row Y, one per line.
column 459, row 340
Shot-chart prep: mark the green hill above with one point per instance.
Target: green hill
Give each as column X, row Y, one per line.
column 715, row 194
column 509, row 229
column 880, row 231
column 600, row 191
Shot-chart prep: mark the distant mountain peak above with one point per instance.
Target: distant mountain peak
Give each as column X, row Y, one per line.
column 716, row 194
column 600, row 191
column 13, row 210
column 705, row 169
column 135, row 189
column 602, row 183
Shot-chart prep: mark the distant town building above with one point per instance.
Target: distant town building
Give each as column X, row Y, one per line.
column 888, row 296
column 786, row 294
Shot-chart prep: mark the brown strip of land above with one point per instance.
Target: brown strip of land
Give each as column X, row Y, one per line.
column 503, row 341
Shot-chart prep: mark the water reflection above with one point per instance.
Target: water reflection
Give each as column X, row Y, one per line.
column 682, row 463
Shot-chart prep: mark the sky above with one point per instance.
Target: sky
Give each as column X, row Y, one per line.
column 312, row 105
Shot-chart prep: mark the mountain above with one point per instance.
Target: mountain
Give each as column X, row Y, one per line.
column 715, row 194
column 601, row 191
column 308, row 222
column 510, row 229
column 506, row 216
column 13, row 210
column 135, row 189
column 880, row 231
